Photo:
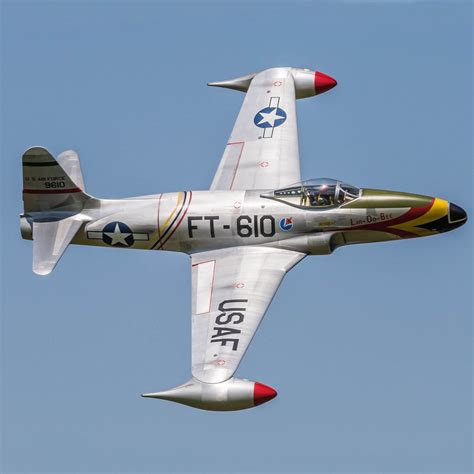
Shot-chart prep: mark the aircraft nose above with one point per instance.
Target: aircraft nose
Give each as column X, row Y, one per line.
column 457, row 215
column 452, row 218
column 456, row 218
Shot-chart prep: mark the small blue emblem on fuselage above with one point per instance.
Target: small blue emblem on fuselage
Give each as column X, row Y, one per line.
column 286, row 224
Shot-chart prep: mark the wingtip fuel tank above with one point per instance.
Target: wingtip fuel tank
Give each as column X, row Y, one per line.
column 233, row 394
column 308, row 83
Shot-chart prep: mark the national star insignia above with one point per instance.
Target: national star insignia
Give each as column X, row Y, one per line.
column 270, row 117
column 117, row 236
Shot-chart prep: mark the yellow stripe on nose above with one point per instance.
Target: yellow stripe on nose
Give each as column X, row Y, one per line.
column 438, row 210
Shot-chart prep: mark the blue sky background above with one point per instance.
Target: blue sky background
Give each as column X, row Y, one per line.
column 369, row 349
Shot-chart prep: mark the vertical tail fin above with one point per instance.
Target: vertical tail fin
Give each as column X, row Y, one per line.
column 69, row 162
column 53, row 198
column 48, row 187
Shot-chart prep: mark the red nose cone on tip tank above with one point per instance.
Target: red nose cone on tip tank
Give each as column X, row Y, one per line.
column 323, row 82
column 262, row 393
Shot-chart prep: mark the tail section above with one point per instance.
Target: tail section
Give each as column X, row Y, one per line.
column 53, row 199
column 48, row 187
column 69, row 162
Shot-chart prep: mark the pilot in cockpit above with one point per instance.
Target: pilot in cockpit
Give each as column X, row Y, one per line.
column 324, row 199
column 318, row 193
column 311, row 197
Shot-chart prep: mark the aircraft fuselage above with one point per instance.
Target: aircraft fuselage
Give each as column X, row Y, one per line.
column 192, row 221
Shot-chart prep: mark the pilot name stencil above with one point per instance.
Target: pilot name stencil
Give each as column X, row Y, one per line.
column 383, row 216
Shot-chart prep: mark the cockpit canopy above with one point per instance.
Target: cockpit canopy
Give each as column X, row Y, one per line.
column 316, row 193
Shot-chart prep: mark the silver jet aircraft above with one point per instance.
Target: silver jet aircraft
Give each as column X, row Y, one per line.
column 254, row 224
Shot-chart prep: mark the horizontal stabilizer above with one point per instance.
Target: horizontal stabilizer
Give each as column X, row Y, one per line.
column 50, row 240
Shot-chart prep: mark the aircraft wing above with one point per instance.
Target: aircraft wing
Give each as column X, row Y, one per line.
column 231, row 291
column 262, row 151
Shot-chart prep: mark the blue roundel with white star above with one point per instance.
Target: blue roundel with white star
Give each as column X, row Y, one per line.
column 286, row 224
column 270, row 117
column 118, row 234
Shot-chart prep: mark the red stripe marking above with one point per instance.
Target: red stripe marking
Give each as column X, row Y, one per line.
column 52, row 191
column 386, row 226
column 199, row 263
column 238, row 160
column 179, row 223
column 212, row 285
column 172, row 222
